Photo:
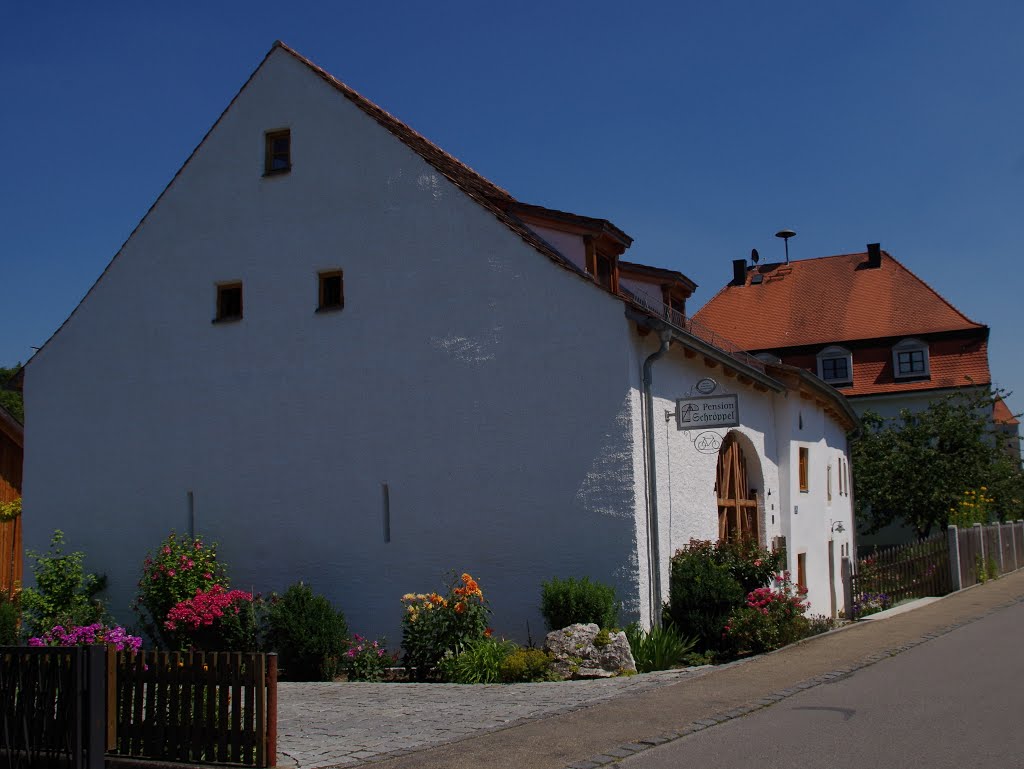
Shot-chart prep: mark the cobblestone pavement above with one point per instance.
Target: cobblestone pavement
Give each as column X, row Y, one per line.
column 343, row 724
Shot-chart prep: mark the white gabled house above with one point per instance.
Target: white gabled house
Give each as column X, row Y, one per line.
column 350, row 359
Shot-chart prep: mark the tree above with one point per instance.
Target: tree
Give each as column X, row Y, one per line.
column 11, row 399
column 917, row 466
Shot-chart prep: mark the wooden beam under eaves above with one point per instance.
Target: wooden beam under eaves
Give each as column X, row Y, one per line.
column 728, row 372
column 710, row 362
column 689, row 353
column 744, row 379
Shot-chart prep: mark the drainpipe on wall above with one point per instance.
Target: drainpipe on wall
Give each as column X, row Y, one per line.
column 653, row 540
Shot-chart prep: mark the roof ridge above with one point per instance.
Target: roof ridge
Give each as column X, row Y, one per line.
column 391, row 122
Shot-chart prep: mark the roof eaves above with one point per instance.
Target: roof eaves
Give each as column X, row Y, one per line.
column 701, row 347
column 10, row 426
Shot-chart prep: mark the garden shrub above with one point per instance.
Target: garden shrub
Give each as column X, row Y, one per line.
column 10, row 618
column 308, row 633
column 526, row 666
column 709, row 579
column 87, row 635
column 434, row 625
column 179, row 569
column 366, row 660
column 771, row 618
column 64, row 593
column 479, row 663
column 215, row 619
column 658, row 649
column 565, row 602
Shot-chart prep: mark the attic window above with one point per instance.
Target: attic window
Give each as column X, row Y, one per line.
column 910, row 360
column 835, row 366
column 605, row 270
column 229, row 302
column 277, row 156
column 332, row 291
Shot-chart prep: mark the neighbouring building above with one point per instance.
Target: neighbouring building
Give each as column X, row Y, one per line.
column 350, row 359
column 865, row 324
column 12, row 442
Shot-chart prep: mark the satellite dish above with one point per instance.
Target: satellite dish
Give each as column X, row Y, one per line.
column 754, row 256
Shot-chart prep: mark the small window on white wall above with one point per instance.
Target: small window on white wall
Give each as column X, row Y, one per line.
column 910, row 360
column 835, row 366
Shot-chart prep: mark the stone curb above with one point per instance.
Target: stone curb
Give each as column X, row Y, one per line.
column 624, row 751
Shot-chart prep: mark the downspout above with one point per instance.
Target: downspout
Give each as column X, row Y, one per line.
column 653, row 539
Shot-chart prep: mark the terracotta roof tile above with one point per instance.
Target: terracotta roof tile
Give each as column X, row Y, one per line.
column 826, row 300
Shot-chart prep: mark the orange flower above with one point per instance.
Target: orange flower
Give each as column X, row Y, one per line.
column 488, row 632
column 466, row 578
column 460, row 607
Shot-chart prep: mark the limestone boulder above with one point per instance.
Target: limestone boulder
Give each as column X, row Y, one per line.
column 586, row 651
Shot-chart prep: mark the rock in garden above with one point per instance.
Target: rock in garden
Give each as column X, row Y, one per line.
column 586, row 651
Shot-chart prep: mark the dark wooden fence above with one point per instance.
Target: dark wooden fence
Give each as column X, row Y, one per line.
column 196, row 707
column 52, row 707
column 915, row 570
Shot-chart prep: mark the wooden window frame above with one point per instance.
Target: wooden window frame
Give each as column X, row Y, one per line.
column 803, row 462
column 322, row 278
column 222, row 314
column 908, row 347
column 270, row 156
column 801, row 570
column 834, row 353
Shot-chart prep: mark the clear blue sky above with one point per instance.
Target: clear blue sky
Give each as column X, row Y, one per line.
column 699, row 128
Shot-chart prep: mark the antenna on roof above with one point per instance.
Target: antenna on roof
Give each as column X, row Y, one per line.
column 754, row 256
column 785, row 235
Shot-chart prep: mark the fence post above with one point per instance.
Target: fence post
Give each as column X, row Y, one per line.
column 1013, row 544
column 272, row 709
column 999, row 539
column 953, row 543
column 847, row 571
column 95, row 706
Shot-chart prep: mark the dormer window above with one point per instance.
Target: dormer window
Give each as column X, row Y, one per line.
column 910, row 360
column 835, row 366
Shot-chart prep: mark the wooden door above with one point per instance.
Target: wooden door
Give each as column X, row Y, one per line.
column 737, row 505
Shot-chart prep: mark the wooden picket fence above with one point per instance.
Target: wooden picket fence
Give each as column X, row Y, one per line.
column 213, row 707
column 915, row 570
column 986, row 551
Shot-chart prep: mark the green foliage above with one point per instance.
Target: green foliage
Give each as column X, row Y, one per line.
column 435, row 626
column 659, row 649
column 10, row 510
column 771, row 618
column 479, row 663
column 11, row 400
column 178, row 569
column 570, row 601
column 915, row 467
column 308, row 634
column 366, row 660
column 10, row 616
column 526, row 666
column 64, row 594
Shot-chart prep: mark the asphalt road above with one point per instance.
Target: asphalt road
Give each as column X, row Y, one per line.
column 955, row 701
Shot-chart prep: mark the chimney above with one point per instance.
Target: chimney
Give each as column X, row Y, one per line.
column 874, row 256
column 739, row 272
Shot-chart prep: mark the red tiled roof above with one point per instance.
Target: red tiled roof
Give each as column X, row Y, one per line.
column 1001, row 413
column 829, row 299
column 955, row 361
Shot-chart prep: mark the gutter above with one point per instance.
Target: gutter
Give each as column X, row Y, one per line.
column 653, row 538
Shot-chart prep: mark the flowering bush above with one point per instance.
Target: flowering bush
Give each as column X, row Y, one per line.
column 65, row 594
column 771, row 618
column 366, row 660
column 973, row 507
column 215, row 619
column 866, row 604
column 86, row 635
column 179, row 569
column 433, row 624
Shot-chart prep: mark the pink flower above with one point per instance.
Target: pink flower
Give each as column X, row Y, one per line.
column 170, row 572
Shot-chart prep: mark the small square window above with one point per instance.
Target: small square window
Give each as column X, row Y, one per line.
column 837, row 369
column 332, row 291
column 910, row 362
column 277, row 152
column 229, row 302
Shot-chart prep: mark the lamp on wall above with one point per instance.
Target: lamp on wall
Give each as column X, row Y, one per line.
column 837, row 526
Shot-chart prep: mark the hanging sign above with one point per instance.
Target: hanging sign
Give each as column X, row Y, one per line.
column 703, row 411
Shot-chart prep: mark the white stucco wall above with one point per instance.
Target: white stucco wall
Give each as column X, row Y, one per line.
column 571, row 246
column 494, row 391
column 809, row 516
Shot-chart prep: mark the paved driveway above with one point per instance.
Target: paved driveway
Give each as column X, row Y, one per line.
column 341, row 724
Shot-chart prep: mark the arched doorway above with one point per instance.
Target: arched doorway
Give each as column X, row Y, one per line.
column 737, row 504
